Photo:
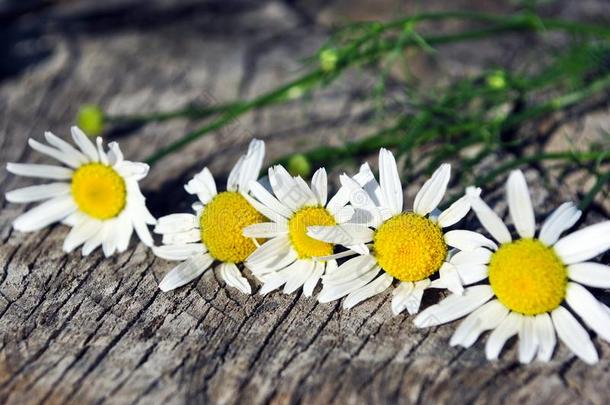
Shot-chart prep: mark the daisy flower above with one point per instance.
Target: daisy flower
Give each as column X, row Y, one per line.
column 94, row 192
column 214, row 232
column 289, row 257
column 530, row 282
column 410, row 247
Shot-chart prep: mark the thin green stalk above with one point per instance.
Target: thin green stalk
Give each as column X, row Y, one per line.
column 309, row 81
column 602, row 181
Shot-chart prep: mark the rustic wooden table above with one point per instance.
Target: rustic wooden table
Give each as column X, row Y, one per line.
column 90, row 330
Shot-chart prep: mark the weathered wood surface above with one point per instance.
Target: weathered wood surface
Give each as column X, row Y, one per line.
column 89, row 330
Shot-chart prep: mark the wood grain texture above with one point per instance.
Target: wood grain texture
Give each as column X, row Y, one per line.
column 94, row 330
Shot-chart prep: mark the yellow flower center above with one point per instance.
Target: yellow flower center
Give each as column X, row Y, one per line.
column 410, row 247
column 528, row 277
column 222, row 223
column 99, row 191
column 305, row 246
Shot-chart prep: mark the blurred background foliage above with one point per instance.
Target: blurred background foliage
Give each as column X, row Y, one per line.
column 497, row 112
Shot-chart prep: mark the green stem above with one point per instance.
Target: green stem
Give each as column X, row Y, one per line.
column 309, row 81
column 602, row 181
column 233, row 113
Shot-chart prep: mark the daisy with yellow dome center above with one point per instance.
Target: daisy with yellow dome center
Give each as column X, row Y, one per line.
column 95, row 192
column 290, row 258
column 531, row 281
column 215, row 231
column 410, row 247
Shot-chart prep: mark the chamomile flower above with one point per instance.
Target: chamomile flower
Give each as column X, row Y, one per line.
column 94, row 192
column 215, row 232
column 289, row 257
column 530, row 281
column 410, row 247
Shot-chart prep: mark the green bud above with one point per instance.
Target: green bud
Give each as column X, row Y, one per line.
column 328, row 60
column 295, row 92
column 90, row 119
column 298, row 165
column 496, row 80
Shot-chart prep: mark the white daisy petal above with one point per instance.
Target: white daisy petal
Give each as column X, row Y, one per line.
column 472, row 273
column 85, row 144
column 314, row 278
column 563, row 218
column 450, row 278
column 350, row 270
column 65, row 147
column 389, row 180
column 454, row 307
column 186, row 272
column 528, row 343
column 37, row 193
column 41, row 171
column 269, row 250
column 287, row 189
column 180, row 238
column 109, row 244
column 233, row 277
column 509, row 327
column 344, row 214
column 48, row 212
column 233, row 179
column 265, row 230
column 333, row 291
column 303, row 269
column 413, row 302
column 584, row 244
column 82, row 231
column 486, row 317
column 176, row 223
column 433, row 190
column 203, row 185
column 489, row 219
column 476, row 256
column 400, row 295
column 100, row 150
column 377, row 286
column 364, row 179
column 179, row 252
column 56, row 154
column 357, row 196
column 126, row 230
column 115, row 155
column 574, row 335
column 331, row 266
column 520, row 206
column 266, row 198
column 265, row 210
column 270, row 264
column 591, row 274
column 252, row 164
column 589, row 309
column 456, row 211
column 319, row 186
column 335, row 256
column 132, row 170
column 139, row 224
column 344, row 234
column 468, row 240
column 96, row 240
column 545, row 336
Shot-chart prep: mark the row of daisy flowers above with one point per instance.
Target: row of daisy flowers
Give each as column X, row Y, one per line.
column 291, row 235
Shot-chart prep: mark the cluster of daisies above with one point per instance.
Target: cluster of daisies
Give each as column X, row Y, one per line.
column 290, row 235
